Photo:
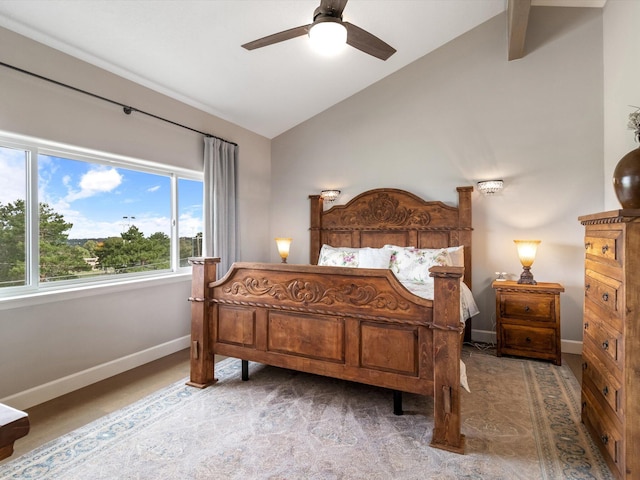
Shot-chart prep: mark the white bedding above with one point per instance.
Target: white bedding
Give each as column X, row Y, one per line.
column 468, row 306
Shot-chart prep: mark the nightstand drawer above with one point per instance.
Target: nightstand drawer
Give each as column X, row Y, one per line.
column 538, row 307
column 603, row 384
column 520, row 337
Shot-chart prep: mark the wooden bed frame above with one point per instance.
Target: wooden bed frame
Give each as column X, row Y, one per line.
column 354, row 324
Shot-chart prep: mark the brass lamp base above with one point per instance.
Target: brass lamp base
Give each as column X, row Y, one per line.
column 526, row 277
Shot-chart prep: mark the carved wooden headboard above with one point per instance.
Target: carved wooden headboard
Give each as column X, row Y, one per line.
column 396, row 217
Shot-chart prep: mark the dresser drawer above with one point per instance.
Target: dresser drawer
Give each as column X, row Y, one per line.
column 603, row 383
column 604, row 246
column 540, row 307
column 605, row 341
column 603, row 291
column 533, row 339
column 604, row 430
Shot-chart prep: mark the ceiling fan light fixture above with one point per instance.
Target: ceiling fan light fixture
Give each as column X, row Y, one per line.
column 328, row 36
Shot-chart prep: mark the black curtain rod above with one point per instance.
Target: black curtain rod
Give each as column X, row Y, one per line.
column 125, row 108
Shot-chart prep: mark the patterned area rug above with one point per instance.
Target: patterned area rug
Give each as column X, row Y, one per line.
column 521, row 421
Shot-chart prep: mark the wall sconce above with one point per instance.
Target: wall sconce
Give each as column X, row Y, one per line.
column 489, row 187
column 283, row 245
column 329, row 195
column 527, row 254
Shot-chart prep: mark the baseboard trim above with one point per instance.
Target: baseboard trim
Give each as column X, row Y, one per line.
column 48, row 391
column 484, row 336
column 487, row 336
column 571, row 346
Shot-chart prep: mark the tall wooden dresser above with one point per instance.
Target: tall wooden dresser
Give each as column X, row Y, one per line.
column 611, row 337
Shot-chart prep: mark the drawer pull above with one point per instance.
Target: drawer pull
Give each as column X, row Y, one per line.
column 604, row 249
column 527, row 308
column 587, row 287
column 605, row 439
column 586, row 325
column 605, row 345
column 584, row 366
column 587, row 245
column 528, row 339
column 605, row 297
column 605, row 391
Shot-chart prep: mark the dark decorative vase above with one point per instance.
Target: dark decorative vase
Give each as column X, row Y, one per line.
column 626, row 180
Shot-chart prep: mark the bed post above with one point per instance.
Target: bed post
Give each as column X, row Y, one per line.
column 464, row 238
column 202, row 358
column 447, row 330
column 315, row 223
column 464, row 235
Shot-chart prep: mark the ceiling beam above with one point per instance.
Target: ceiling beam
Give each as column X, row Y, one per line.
column 518, row 18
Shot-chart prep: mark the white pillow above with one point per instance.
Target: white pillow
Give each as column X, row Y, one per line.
column 413, row 264
column 457, row 255
column 354, row 257
column 374, row 258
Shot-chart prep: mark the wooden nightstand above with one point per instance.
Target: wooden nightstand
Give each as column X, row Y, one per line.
column 528, row 320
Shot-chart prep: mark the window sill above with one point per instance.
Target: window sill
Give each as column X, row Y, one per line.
column 77, row 291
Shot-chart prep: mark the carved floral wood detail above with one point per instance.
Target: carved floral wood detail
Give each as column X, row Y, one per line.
column 385, row 209
column 308, row 292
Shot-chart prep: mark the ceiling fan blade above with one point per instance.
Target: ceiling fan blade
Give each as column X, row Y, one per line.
column 333, row 7
column 277, row 37
column 368, row 43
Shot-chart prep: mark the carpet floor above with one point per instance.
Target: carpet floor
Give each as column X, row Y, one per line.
column 521, row 421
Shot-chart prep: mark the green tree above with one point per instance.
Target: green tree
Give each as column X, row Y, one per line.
column 91, row 246
column 12, row 243
column 111, row 255
column 132, row 252
column 58, row 260
column 160, row 250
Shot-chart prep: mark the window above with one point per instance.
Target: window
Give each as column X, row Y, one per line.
column 98, row 216
column 13, row 229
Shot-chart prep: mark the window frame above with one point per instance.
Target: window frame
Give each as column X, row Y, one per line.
column 34, row 147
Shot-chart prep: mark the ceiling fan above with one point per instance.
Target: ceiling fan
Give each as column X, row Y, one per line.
column 329, row 14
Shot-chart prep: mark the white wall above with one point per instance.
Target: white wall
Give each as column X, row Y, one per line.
column 462, row 114
column 621, row 20
column 52, row 344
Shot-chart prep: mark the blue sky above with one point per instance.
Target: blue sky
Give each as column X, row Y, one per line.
column 97, row 198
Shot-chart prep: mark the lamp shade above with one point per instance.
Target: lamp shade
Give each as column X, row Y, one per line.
column 283, row 245
column 328, row 36
column 527, row 254
column 527, row 251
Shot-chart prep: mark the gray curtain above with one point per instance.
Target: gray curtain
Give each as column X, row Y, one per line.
column 220, row 231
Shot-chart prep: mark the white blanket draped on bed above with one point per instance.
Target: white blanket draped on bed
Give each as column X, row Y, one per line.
column 468, row 306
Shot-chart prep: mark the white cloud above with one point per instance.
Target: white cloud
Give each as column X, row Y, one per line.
column 189, row 226
column 153, row 189
column 12, row 167
column 95, row 181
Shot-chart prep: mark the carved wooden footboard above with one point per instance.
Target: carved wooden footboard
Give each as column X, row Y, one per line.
column 354, row 324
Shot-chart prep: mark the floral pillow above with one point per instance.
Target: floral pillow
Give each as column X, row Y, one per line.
column 354, row 257
column 413, row 264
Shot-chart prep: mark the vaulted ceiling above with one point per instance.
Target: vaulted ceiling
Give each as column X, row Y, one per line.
column 191, row 49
